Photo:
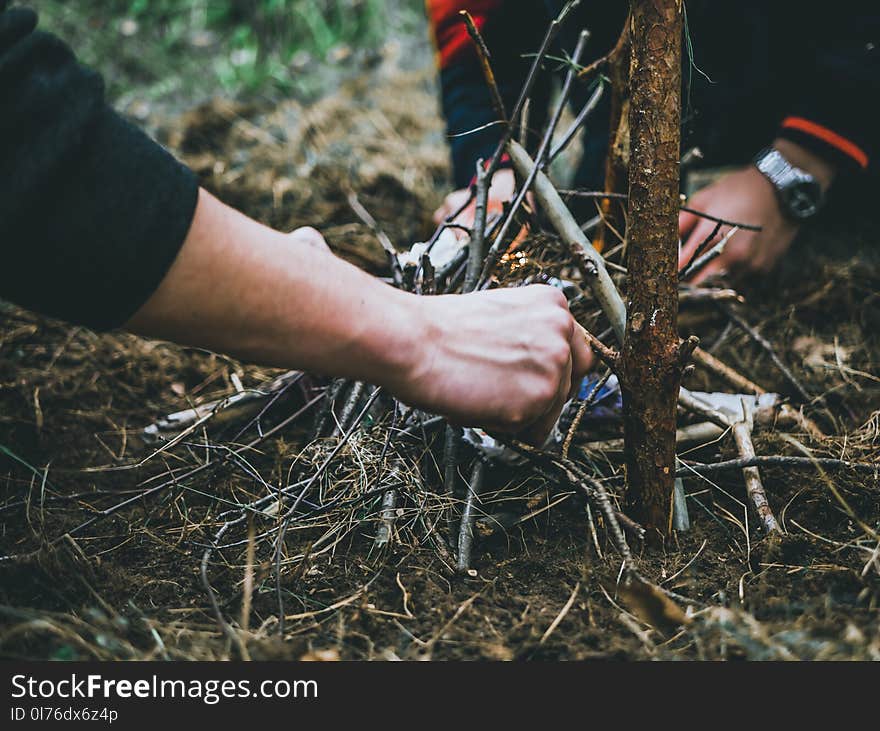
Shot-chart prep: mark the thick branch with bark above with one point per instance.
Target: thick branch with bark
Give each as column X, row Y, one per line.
column 650, row 369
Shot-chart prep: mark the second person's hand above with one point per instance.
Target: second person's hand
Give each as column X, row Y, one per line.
column 500, row 192
column 746, row 196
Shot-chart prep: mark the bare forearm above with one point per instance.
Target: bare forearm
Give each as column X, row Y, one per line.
column 239, row 287
column 506, row 359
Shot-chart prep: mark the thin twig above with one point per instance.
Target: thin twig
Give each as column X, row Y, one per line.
column 451, row 450
column 700, row 263
column 625, row 196
column 562, row 612
column 585, row 112
column 698, row 294
column 603, row 61
column 544, row 148
column 742, row 437
column 466, row 530
column 531, row 78
column 390, row 251
column 484, row 56
column 582, row 409
column 348, row 408
column 776, row 460
column 768, row 348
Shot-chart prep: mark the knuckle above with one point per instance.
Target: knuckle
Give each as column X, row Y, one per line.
column 557, row 297
column 558, row 354
column 563, row 356
column 309, row 235
column 564, row 323
column 543, row 393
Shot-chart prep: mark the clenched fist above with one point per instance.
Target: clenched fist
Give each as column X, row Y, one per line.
column 505, row 359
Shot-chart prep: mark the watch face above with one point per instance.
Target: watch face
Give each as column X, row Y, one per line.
column 803, row 198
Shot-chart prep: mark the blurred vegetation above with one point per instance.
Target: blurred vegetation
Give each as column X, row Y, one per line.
column 148, row 49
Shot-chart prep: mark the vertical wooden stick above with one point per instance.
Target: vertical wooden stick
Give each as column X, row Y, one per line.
column 742, row 435
column 650, row 365
column 466, row 533
column 475, row 261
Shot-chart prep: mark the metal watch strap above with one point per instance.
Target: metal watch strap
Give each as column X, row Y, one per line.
column 784, row 176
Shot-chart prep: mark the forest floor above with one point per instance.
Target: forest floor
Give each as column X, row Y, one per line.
column 73, row 405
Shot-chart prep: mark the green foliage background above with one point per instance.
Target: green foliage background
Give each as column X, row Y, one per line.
column 162, row 47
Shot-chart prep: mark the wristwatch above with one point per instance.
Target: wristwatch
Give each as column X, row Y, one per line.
column 799, row 193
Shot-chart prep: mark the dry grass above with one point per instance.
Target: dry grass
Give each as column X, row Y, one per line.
column 130, row 585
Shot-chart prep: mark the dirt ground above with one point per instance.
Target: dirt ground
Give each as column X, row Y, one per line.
column 73, row 404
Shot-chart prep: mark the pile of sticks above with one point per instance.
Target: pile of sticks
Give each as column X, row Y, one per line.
column 371, row 460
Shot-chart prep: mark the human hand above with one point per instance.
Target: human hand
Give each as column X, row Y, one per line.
column 746, row 196
column 500, row 191
column 310, row 237
column 505, row 359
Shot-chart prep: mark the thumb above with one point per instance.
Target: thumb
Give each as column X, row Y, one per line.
column 686, row 222
column 582, row 358
column 699, row 233
column 309, row 236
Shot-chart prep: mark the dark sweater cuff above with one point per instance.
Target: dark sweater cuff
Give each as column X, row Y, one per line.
column 115, row 228
column 469, row 115
column 845, row 153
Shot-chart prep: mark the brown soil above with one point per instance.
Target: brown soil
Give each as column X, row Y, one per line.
column 72, row 404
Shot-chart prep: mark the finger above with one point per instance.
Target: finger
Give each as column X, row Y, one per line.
column 466, row 219
column 539, row 430
column 697, row 236
column 712, row 269
column 441, row 213
column 686, row 222
column 582, row 358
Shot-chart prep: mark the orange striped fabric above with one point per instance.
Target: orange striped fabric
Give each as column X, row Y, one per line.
column 829, row 137
column 450, row 33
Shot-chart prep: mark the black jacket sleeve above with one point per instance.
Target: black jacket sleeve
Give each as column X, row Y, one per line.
column 513, row 31
column 837, row 83
column 92, row 211
column 510, row 30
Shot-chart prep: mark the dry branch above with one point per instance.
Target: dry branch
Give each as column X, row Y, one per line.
column 742, row 436
column 484, row 56
column 466, row 532
column 787, row 414
column 591, row 262
column 540, row 159
column 778, row 460
column 650, row 364
column 381, row 236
